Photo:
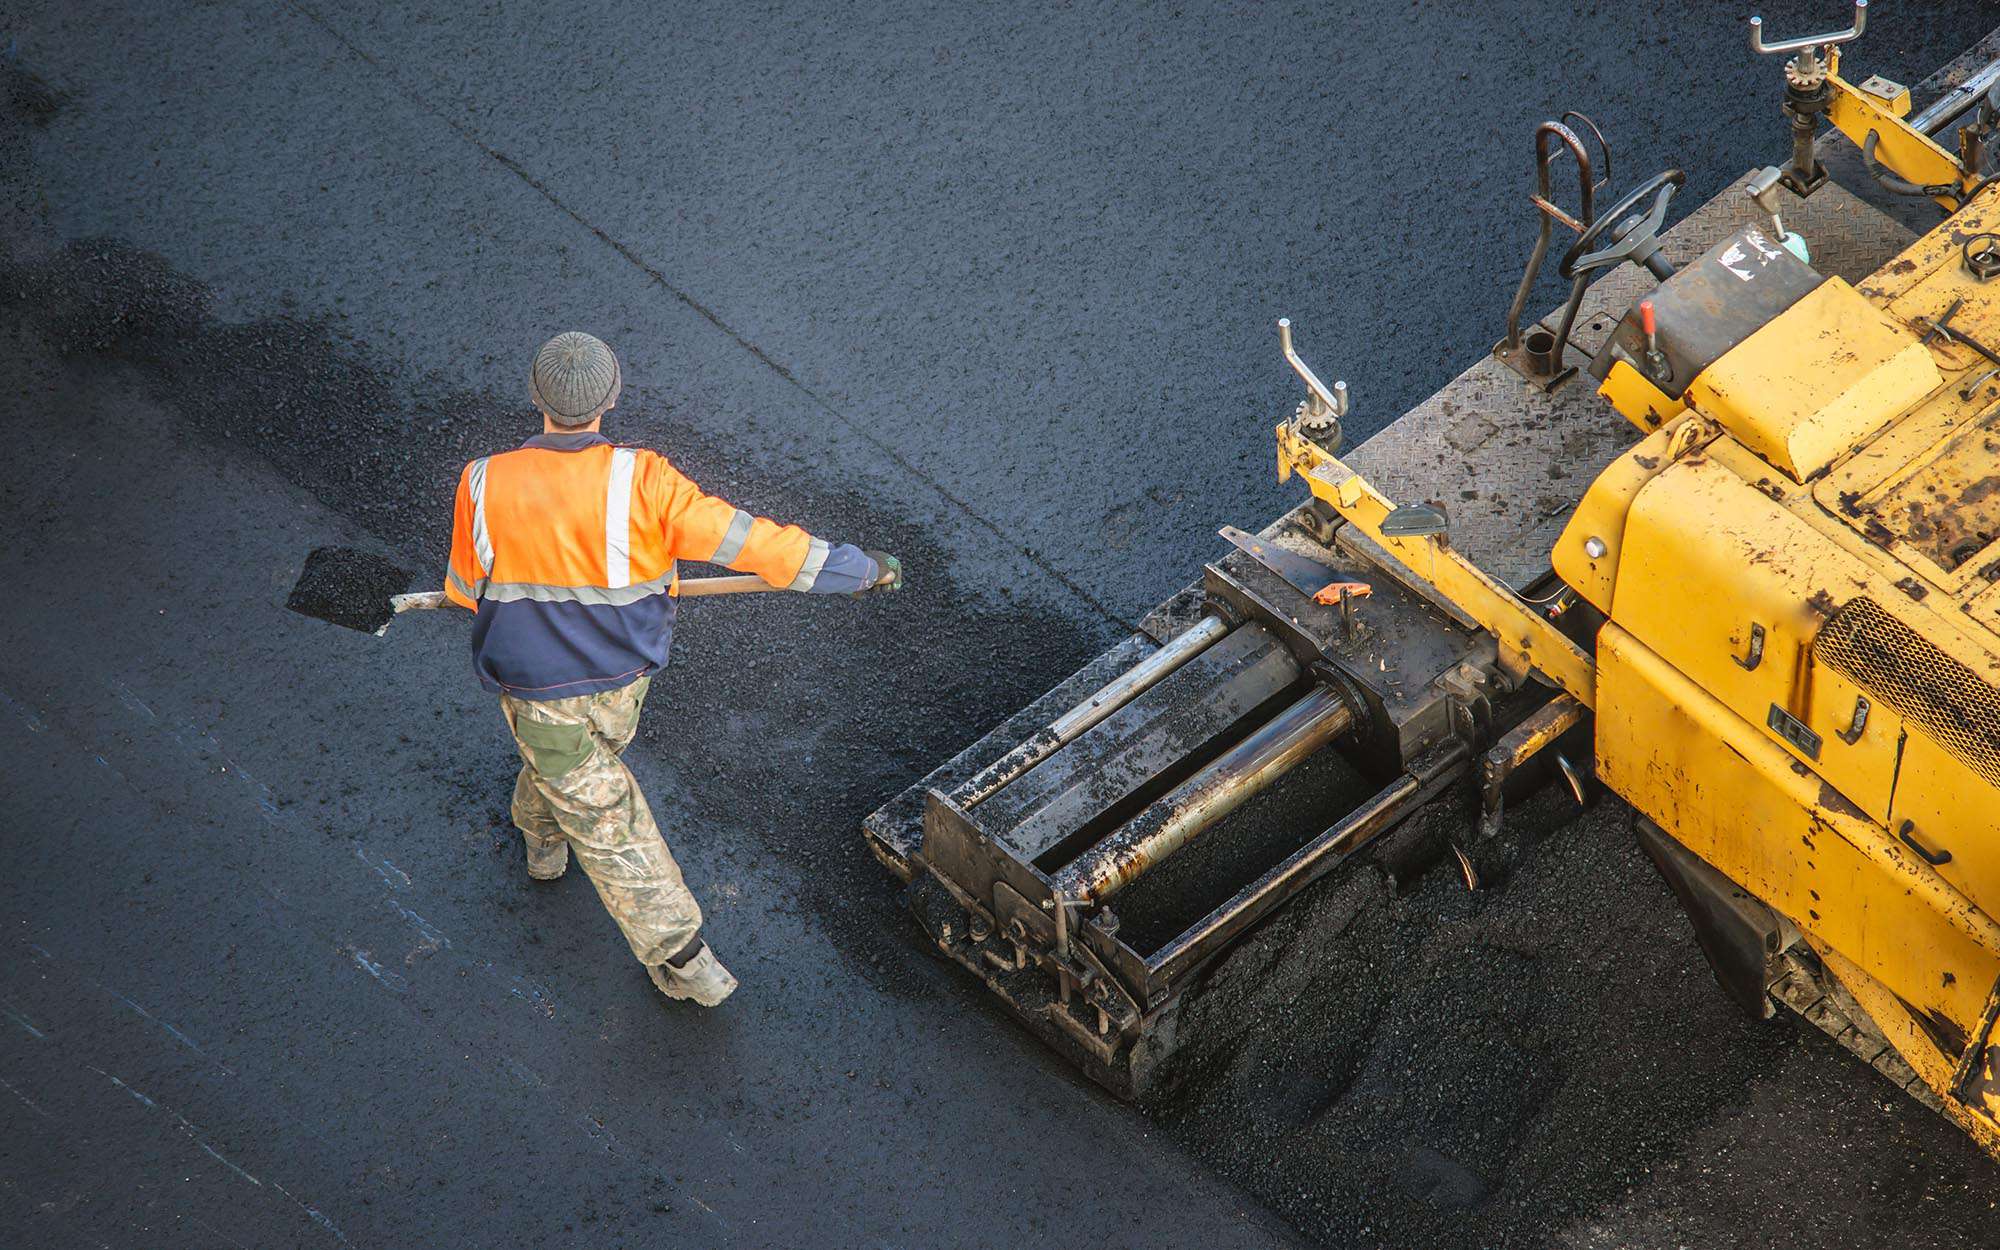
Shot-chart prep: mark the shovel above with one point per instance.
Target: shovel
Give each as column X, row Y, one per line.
column 691, row 588
column 363, row 591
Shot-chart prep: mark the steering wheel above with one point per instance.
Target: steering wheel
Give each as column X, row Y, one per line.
column 1640, row 244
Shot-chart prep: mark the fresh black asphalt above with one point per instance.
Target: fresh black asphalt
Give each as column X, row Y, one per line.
column 994, row 289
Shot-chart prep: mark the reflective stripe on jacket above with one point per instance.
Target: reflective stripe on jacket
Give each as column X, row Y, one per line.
column 565, row 547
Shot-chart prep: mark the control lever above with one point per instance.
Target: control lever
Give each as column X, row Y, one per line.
column 1763, row 192
column 1656, row 361
column 1318, row 417
column 1827, row 40
column 1807, row 92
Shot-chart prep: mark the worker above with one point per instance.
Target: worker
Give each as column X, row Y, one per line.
column 565, row 547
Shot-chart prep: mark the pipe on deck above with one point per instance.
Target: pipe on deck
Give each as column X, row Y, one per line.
column 1205, row 798
column 1072, row 724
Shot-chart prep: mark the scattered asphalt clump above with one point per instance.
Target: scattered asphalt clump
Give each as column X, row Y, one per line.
column 32, row 99
column 348, row 586
column 1447, row 1068
column 1414, row 1068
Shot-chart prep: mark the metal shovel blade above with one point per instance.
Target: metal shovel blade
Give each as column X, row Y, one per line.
column 349, row 587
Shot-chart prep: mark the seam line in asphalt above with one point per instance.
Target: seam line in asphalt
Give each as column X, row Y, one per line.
column 660, row 279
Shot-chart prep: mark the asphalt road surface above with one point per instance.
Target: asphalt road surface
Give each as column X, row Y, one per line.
column 994, row 291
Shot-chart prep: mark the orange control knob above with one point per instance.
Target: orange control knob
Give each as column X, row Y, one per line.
column 1333, row 592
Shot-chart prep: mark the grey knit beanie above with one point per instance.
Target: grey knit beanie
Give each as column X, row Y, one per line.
column 575, row 378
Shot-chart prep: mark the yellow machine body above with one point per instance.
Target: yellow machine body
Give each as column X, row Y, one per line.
column 1910, row 152
column 1798, row 673
column 1800, row 678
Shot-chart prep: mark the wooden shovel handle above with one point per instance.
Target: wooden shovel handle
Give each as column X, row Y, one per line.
column 746, row 584
column 696, row 587
column 691, row 588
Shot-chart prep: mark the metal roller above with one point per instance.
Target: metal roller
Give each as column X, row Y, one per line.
column 1205, row 798
column 1072, row 724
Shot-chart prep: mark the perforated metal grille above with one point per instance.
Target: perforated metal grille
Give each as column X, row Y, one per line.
column 1927, row 688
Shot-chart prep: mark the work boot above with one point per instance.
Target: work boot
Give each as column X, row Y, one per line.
column 547, row 862
column 700, row 977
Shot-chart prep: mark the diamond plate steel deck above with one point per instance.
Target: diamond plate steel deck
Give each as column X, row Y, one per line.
column 1508, row 463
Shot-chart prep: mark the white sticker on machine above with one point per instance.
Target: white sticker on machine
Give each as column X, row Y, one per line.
column 1749, row 255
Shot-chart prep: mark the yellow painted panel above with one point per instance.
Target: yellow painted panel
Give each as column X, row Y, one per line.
column 1902, row 147
column 1984, row 608
column 1637, row 399
column 1952, row 809
column 1707, row 559
column 1913, row 1041
column 1821, row 377
column 1853, row 490
column 1936, row 250
column 1734, row 798
column 1940, row 511
column 1600, row 516
column 1948, row 291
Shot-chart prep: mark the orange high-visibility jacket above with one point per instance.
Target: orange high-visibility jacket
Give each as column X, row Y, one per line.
column 565, row 547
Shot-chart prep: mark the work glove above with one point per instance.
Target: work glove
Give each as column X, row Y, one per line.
column 890, row 567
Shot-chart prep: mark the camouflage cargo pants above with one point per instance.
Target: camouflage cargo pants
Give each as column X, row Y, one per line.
column 574, row 787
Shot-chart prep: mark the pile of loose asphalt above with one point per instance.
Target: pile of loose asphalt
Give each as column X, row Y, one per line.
column 1549, row 1062
column 1509, row 1068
